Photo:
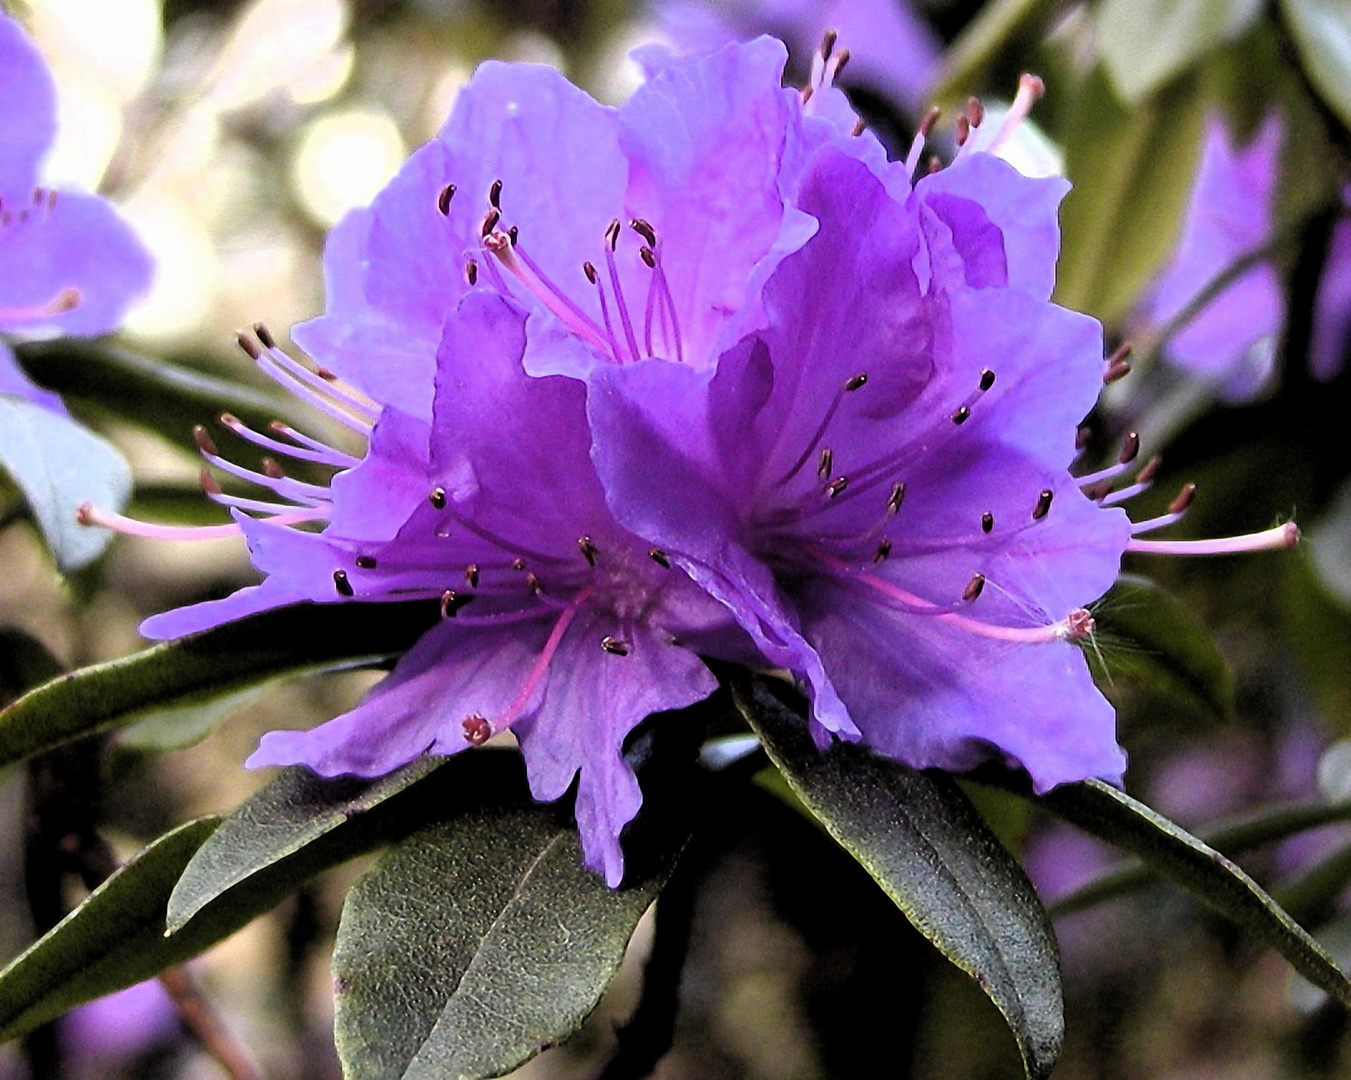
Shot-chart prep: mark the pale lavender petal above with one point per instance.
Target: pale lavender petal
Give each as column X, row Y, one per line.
column 13, row 381
column 28, row 118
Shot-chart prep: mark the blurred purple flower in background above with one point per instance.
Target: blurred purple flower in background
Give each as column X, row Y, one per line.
column 1232, row 341
column 1332, row 305
column 892, row 50
column 103, row 1037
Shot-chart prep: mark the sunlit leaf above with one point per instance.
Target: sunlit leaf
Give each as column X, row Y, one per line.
column 930, row 851
column 996, row 30
column 1322, row 31
column 206, row 667
column 1144, row 43
column 59, row 464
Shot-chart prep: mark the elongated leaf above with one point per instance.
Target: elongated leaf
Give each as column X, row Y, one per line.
column 207, row 666
column 997, row 30
column 474, row 945
column 1322, row 32
column 1132, row 171
column 1267, row 826
column 1145, row 43
column 1114, row 816
column 165, row 397
column 298, row 808
column 1146, row 635
column 59, row 465
column 930, row 851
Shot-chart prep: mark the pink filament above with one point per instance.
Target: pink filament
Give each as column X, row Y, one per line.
column 541, row 664
column 1281, row 537
column 88, row 514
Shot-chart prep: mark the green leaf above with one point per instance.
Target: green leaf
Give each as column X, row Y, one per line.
column 59, row 464
column 474, row 945
column 182, row 726
column 208, row 666
column 1266, row 826
column 168, row 398
column 1132, row 172
column 930, row 851
column 296, row 810
column 1322, row 33
column 997, row 30
column 1114, row 816
column 1144, row 43
column 1147, row 635
column 111, row 941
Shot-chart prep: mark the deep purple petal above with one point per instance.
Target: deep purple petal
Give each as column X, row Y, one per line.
column 28, row 116
column 69, row 248
column 592, row 701
column 15, row 382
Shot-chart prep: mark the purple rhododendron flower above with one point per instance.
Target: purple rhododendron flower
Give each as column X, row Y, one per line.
column 1332, row 305
column 1232, row 341
column 892, row 49
column 755, row 424
column 68, row 263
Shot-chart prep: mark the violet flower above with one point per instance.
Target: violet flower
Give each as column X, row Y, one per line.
column 876, row 483
column 68, row 265
column 892, row 49
column 1331, row 336
column 1232, row 341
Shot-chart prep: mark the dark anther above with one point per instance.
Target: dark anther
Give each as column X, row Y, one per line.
column 860, row 126
column 490, row 221
column 438, row 498
column 325, row 374
column 533, row 584
column 272, row 470
column 513, row 235
column 807, row 92
column 828, row 40
column 659, row 557
column 826, row 465
column 443, row 200
column 249, row 345
column 856, row 382
column 963, row 129
column 495, row 195
column 1116, row 372
column 896, row 497
column 265, row 335
column 1151, row 470
column 649, row 259
column 986, row 379
column 477, row 730
column 366, row 562
column 962, row 415
column 341, row 583
column 588, row 549
column 934, row 164
column 975, row 111
column 646, row 231
column 448, row 604
column 987, row 522
column 836, row 486
column 590, row 272
column 1130, row 448
column 518, row 563
column 614, row 646
column 841, row 62
column 1099, row 491
column 883, row 550
column 1082, row 437
column 471, row 273
column 1043, row 506
column 1183, row 500
column 203, row 440
column 471, row 575
column 926, row 125
column 973, row 587
column 612, row 234
column 208, row 483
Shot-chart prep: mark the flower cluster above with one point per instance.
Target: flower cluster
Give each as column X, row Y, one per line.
column 703, row 376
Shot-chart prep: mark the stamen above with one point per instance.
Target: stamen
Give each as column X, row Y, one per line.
column 896, row 498
column 962, row 415
column 1177, row 510
column 1043, row 506
column 883, row 550
column 437, row 498
column 837, row 487
column 471, row 575
column 341, row 583
column 1030, row 90
column 974, row 588
column 826, row 465
column 448, row 604
column 66, row 300
column 987, row 522
column 477, row 730
column 926, row 127
column 1281, row 537
column 659, row 557
column 588, row 549
column 541, row 664
column 443, row 200
column 367, row 562
column 612, row 238
column 1118, row 366
column 495, row 195
column 975, row 111
column 614, row 646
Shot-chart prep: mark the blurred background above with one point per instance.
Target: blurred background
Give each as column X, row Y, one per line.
column 233, row 134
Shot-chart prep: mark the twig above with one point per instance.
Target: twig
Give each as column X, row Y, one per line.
column 201, row 1019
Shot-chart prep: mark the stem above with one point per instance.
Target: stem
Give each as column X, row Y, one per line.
column 201, row 1019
